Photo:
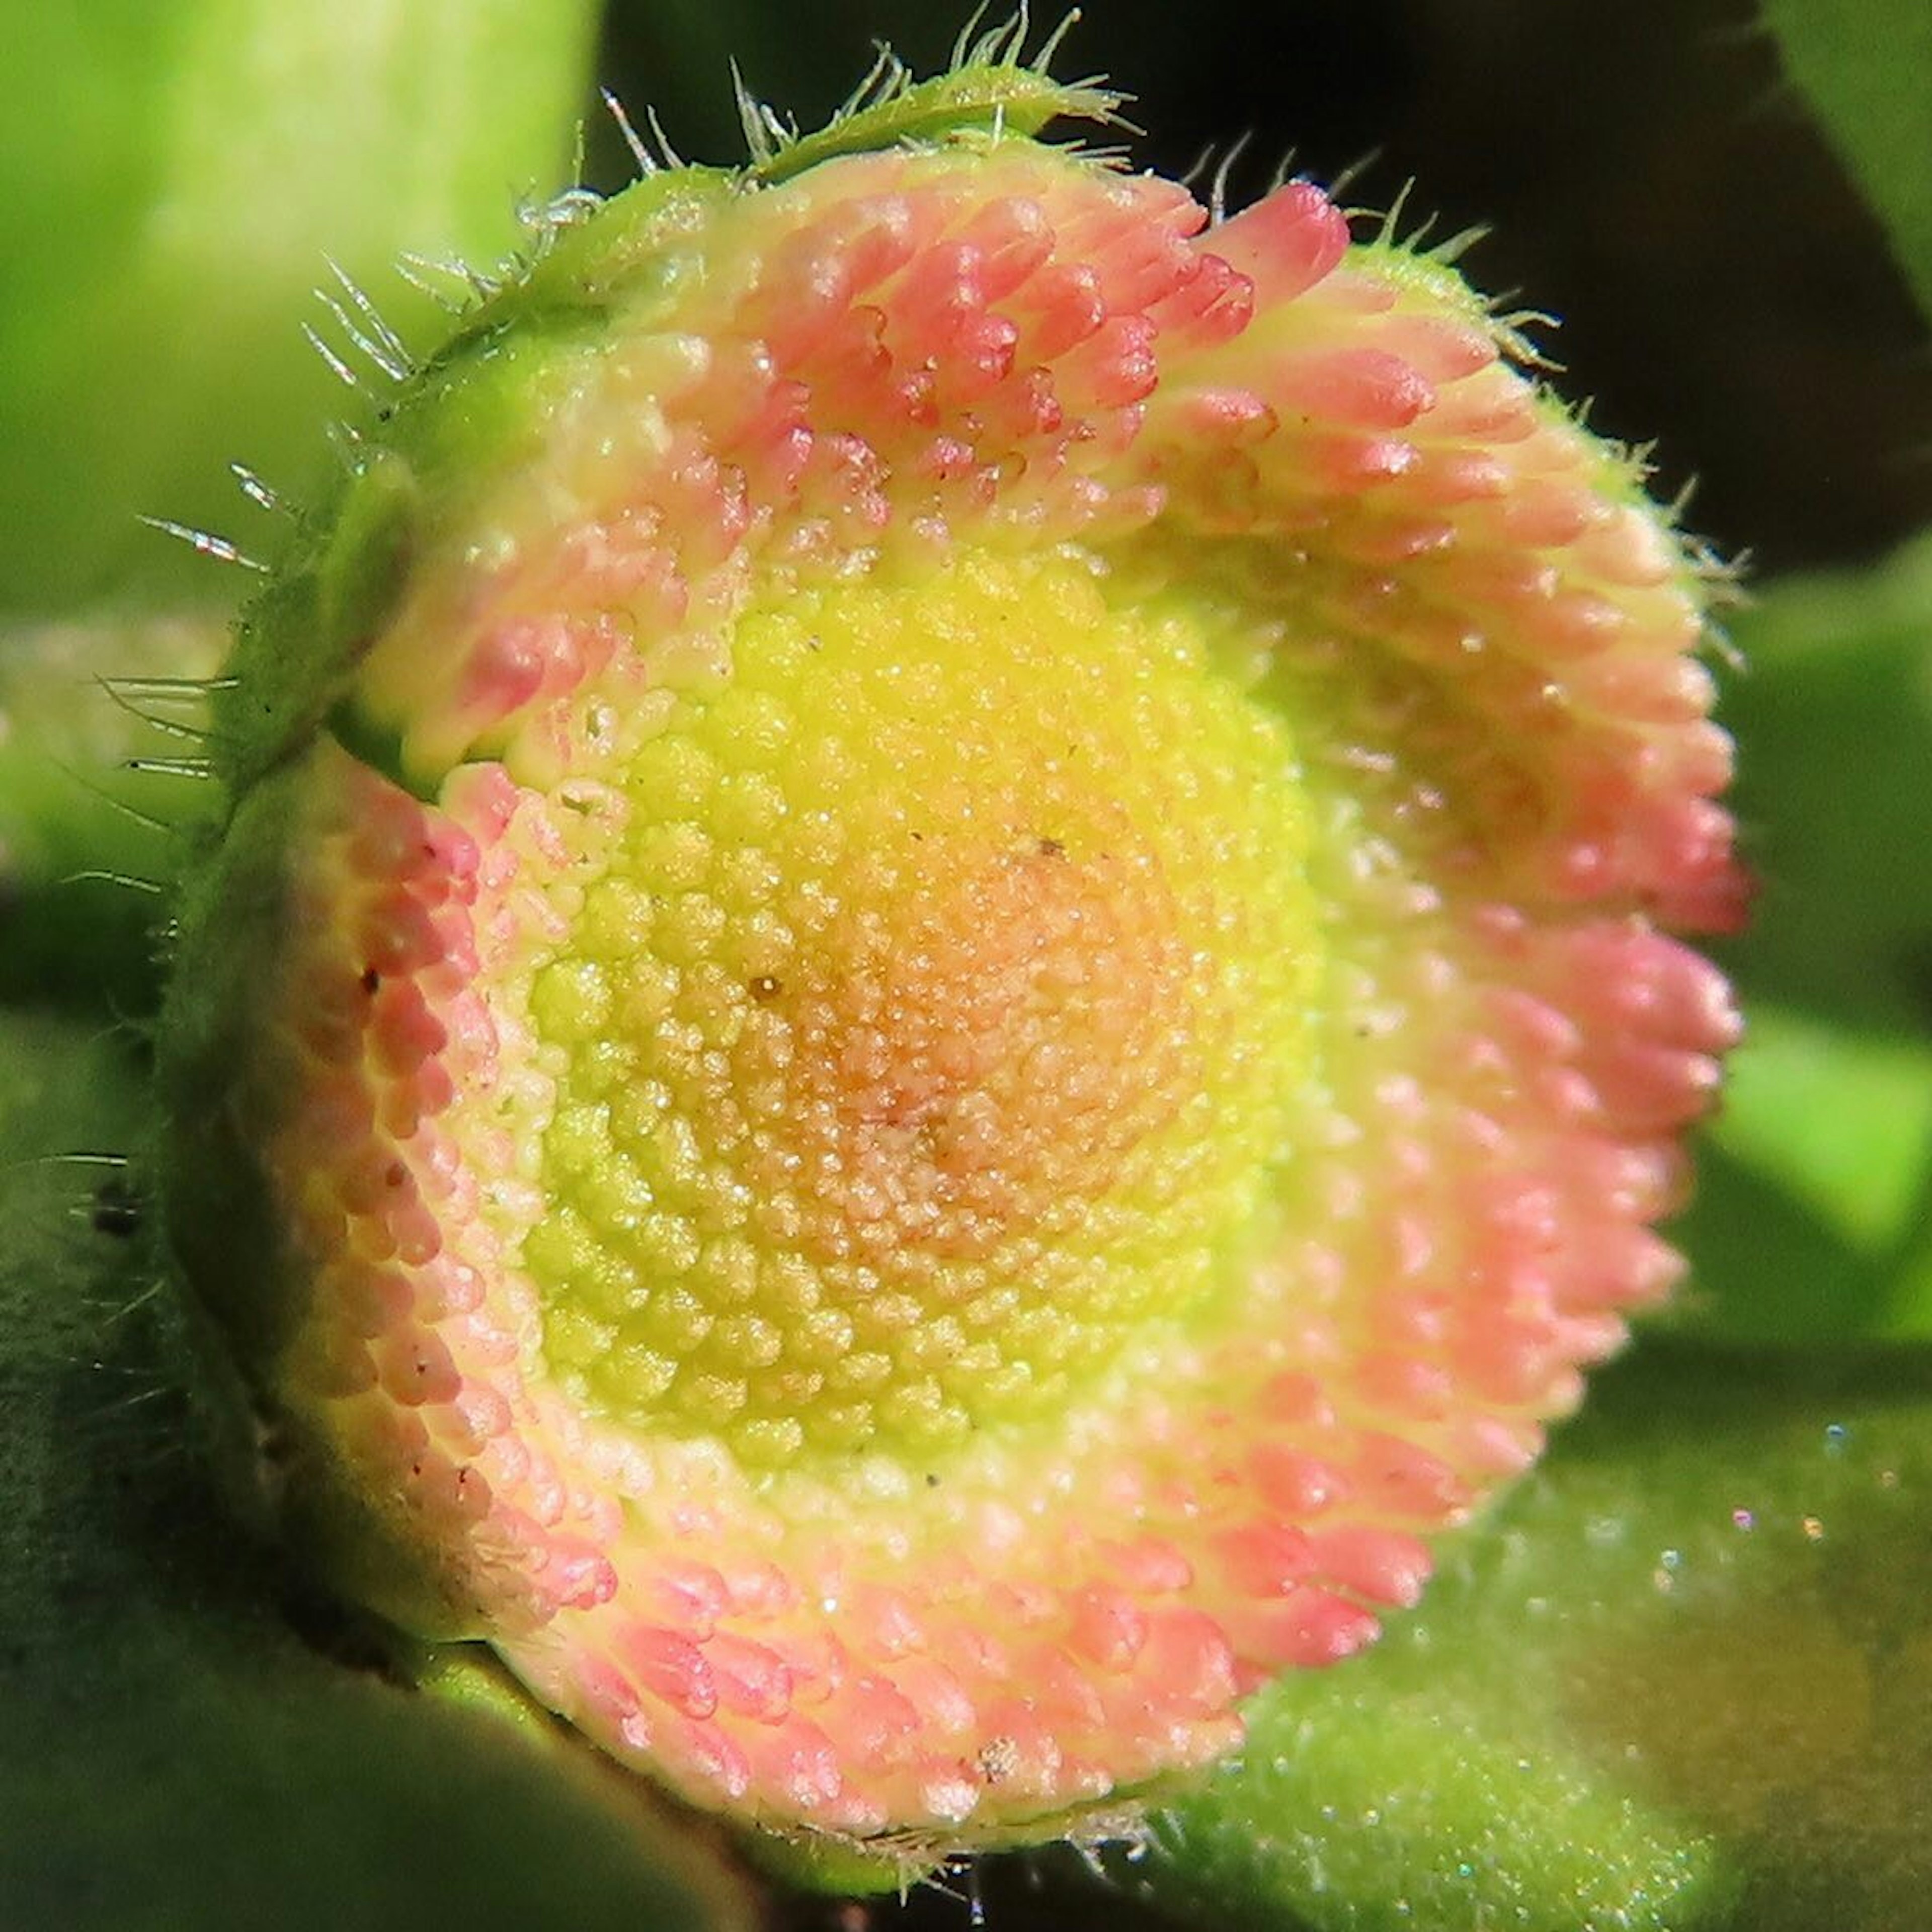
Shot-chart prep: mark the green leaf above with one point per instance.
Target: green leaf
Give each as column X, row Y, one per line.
column 1832, row 712
column 1813, row 1218
column 174, row 1755
column 1863, row 65
column 86, row 839
column 1680, row 1681
column 173, row 180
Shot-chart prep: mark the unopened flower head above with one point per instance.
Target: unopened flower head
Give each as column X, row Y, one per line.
column 936, row 988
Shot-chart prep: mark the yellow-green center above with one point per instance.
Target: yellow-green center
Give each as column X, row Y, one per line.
column 936, row 1025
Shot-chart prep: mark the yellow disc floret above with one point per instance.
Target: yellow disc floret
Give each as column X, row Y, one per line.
column 890, row 1108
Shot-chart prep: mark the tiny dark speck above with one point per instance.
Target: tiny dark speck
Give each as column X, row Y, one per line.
column 931, row 1482
column 764, row 987
column 371, row 979
column 116, row 1212
column 1052, row 848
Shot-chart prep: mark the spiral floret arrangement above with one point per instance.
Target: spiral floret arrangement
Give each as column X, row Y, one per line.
column 936, row 987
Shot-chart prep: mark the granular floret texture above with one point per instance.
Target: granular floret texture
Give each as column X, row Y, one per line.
column 937, row 988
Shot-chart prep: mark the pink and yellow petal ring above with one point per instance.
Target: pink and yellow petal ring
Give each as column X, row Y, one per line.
column 937, row 986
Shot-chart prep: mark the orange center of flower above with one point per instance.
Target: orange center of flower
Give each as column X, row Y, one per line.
column 936, row 1025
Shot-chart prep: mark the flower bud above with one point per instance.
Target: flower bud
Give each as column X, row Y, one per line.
column 938, row 989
